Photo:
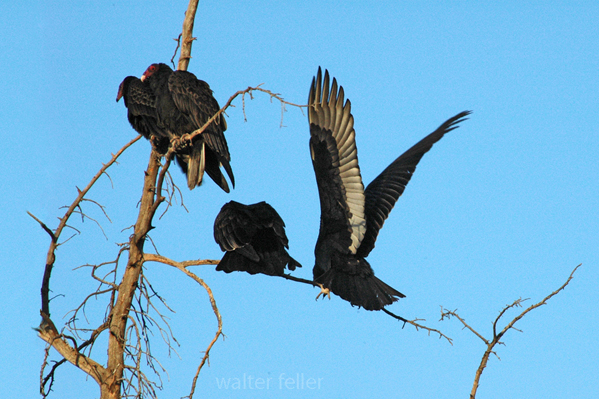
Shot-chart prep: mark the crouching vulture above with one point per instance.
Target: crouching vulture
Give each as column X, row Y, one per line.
column 351, row 216
column 254, row 238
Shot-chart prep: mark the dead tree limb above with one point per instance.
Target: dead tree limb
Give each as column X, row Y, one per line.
column 120, row 312
column 54, row 235
column 47, row 330
column 187, row 35
column 182, row 266
column 70, row 352
column 179, row 142
column 498, row 335
column 402, row 319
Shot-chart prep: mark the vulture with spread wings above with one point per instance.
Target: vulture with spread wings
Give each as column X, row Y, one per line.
column 254, row 238
column 183, row 104
column 351, row 216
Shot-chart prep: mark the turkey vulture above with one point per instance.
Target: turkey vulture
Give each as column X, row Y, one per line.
column 351, row 217
column 141, row 111
column 254, row 238
column 184, row 104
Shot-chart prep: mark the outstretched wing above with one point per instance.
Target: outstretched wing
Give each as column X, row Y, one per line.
column 335, row 161
column 386, row 188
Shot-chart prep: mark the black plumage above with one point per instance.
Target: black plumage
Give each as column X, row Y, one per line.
column 254, row 238
column 352, row 217
column 141, row 111
column 184, row 104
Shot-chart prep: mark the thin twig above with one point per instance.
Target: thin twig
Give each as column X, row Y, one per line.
column 497, row 336
column 178, row 40
column 102, row 207
column 418, row 326
column 51, row 257
column 453, row 313
column 84, row 215
column 404, row 320
column 179, row 142
column 182, row 266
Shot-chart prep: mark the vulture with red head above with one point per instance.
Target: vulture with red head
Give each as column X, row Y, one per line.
column 167, row 104
column 351, row 216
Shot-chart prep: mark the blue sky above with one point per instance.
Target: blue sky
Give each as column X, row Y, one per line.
column 501, row 208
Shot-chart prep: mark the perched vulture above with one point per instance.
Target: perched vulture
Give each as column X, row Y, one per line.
column 184, row 104
column 141, row 111
column 254, row 238
column 351, row 217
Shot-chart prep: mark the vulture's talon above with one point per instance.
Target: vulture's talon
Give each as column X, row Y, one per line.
column 324, row 292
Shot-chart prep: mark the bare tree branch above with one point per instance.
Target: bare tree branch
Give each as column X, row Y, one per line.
column 51, row 335
column 497, row 336
column 445, row 313
column 47, row 330
column 170, row 262
column 418, row 326
column 178, row 143
column 46, row 228
column 182, row 266
column 187, row 35
column 120, row 312
column 404, row 320
column 51, row 257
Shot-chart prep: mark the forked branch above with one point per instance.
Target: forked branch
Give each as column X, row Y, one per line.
column 498, row 335
column 70, row 352
column 51, row 257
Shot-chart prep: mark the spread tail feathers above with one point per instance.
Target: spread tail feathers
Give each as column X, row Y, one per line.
column 368, row 291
